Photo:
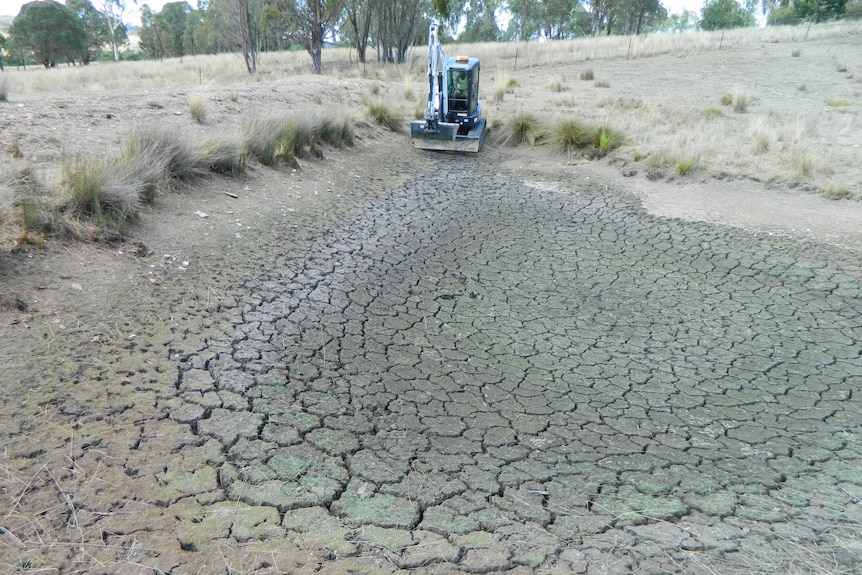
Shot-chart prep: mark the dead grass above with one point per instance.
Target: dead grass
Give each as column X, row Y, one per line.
column 784, row 146
column 386, row 116
column 197, row 109
column 522, row 129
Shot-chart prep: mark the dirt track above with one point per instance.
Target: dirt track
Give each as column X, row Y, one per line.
column 373, row 365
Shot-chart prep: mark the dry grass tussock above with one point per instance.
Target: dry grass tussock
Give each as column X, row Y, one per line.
column 778, row 144
column 93, row 197
column 527, row 55
column 223, row 70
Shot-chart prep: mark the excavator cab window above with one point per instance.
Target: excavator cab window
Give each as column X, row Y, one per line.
column 459, row 90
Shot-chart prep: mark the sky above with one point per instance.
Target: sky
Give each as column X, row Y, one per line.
column 12, row 7
column 133, row 14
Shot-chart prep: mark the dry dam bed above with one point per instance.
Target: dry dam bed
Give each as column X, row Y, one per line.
column 509, row 376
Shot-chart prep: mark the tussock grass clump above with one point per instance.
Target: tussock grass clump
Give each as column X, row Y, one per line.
column 570, row 135
column 4, row 88
column 837, row 103
column 157, row 155
column 835, row 192
column 15, row 147
column 555, row 85
column 7, row 194
column 621, row 103
column 223, row 154
column 685, row 164
column 499, row 94
column 567, row 136
column 603, row 84
column 502, row 85
column 96, row 189
column 738, row 99
column 607, row 140
column 385, row 116
column 796, row 53
column 198, row 109
column 587, row 75
column 524, row 128
column 276, row 139
column 261, row 131
column 335, row 132
column 741, row 100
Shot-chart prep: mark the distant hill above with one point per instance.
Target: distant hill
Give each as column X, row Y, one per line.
column 5, row 22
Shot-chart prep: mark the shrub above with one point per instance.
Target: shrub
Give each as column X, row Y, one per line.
column 4, row 89
column 523, row 129
column 511, row 85
column 726, row 99
column 385, row 116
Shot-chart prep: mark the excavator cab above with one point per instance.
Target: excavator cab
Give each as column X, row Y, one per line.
column 462, row 75
column 453, row 116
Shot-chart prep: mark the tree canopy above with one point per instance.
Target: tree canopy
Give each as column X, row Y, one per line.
column 50, row 31
column 722, row 14
column 81, row 30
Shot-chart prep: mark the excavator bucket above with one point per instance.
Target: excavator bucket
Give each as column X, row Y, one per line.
column 446, row 137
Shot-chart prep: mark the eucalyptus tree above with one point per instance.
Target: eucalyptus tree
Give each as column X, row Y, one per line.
column 636, row 16
column 96, row 32
column 722, row 14
column 480, row 21
column 308, row 24
column 548, row 19
column 113, row 11
column 358, row 17
column 398, row 26
column 49, row 31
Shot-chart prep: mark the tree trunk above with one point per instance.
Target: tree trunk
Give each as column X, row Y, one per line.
column 248, row 47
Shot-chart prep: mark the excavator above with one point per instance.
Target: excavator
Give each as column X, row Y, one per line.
column 452, row 115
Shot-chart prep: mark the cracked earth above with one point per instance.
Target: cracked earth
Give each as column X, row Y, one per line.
column 519, row 375
column 375, row 364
